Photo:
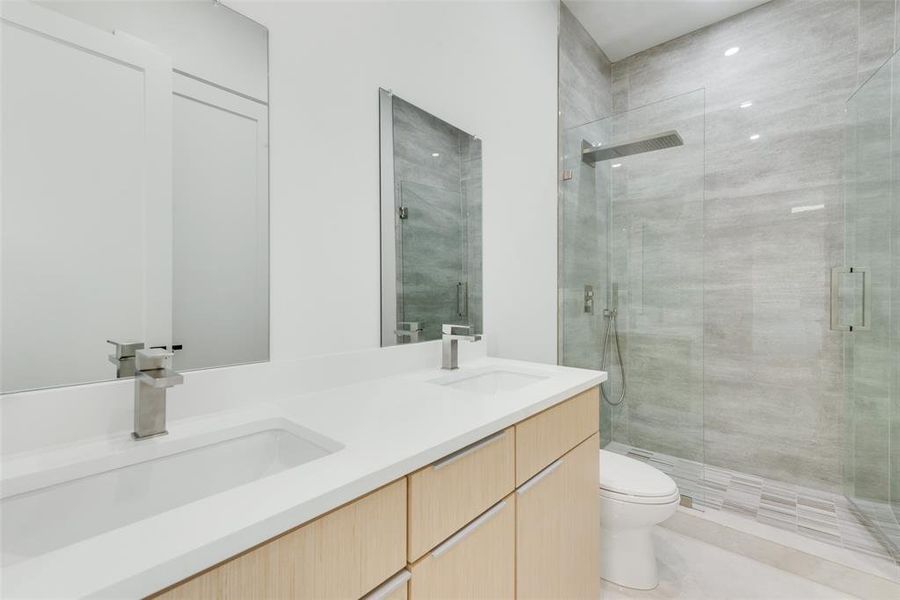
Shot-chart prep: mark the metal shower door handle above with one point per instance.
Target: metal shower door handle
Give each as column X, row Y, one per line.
column 836, row 275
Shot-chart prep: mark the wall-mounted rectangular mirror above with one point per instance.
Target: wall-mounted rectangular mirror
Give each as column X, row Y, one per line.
column 134, row 188
column 430, row 224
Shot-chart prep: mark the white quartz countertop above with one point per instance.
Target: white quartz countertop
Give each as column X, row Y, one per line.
column 388, row 428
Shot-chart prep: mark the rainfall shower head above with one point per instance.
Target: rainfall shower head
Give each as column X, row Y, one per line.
column 593, row 154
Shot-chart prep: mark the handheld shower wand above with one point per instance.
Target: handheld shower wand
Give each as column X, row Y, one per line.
column 611, row 327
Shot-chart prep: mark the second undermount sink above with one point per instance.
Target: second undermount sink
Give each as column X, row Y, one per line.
column 489, row 382
column 145, row 480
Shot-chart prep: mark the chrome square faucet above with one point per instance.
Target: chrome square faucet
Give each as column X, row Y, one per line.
column 153, row 376
column 451, row 334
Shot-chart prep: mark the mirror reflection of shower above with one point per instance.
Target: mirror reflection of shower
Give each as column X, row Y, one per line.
column 591, row 154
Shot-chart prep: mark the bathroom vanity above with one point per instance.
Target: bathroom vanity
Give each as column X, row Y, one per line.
column 480, row 482
column 513, row 515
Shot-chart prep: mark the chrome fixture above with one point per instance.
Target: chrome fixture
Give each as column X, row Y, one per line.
column 591, row 154
column 123, row 357
column 451, row 334
column 610, row 314
column 154, row 375
column 408, row 332
column 589, row 299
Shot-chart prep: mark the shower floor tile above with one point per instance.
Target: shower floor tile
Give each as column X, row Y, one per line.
column 860, row 526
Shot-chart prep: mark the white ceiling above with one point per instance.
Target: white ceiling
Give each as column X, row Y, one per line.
column 624, row 27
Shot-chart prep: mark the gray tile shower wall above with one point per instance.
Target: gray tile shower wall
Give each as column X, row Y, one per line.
column 772, row 227
column 584, row 74
column 584, row 96
column 761, row 388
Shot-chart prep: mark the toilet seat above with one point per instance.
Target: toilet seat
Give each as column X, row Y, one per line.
column 629, row 480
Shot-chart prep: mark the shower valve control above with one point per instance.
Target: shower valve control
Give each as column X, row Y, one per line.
column 589, row 299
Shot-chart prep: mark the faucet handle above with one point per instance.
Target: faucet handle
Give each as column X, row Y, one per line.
column 450, row 329
column 125, row 349
column 154, row 368
column 153, row 358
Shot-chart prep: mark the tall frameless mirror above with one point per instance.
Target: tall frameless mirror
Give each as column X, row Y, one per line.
column 134, row 188
column 430, row 224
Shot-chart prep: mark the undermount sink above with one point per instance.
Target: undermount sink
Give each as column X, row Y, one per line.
column 489, row 382
column 149, row 480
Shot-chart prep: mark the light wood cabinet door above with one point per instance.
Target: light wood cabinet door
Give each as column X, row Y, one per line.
column 476, row 563
column 548, row 435
column 446, row 495
column 558, row 528
column 343, row 554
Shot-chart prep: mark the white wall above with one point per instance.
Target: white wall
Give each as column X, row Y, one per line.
column 489, row 68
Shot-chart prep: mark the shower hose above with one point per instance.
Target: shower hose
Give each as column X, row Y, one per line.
column 611, row 327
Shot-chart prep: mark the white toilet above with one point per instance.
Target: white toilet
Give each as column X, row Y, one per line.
column 633, row 498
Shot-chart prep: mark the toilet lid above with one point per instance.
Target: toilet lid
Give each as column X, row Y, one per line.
column 624, row 475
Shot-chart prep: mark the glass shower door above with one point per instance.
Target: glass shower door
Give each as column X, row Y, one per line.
column 631, row 244
column 868, row 302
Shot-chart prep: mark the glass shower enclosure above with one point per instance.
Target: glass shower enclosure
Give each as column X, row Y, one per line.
column 631, row 273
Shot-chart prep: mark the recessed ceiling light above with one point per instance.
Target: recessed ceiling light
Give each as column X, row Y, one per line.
column 598, row 144
column 746, row 104
column 617, row 165
column 732, row 51
column 435, row 154
column 755, row 136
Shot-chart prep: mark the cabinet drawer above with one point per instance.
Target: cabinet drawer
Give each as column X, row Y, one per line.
column 446, row 495
column 477, row 562
column 546, row 436
column 343, row 554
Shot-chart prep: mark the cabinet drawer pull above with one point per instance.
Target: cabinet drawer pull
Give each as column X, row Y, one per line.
column 467, row 530
column 537, row 478
column 451, row 458
column 389, row 587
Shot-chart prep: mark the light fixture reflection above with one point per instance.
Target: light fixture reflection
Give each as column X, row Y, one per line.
column 617, row 165
column 746, row 104
column 435, row 154
column 754, row 137
column 800, row 209
column 732, row 51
